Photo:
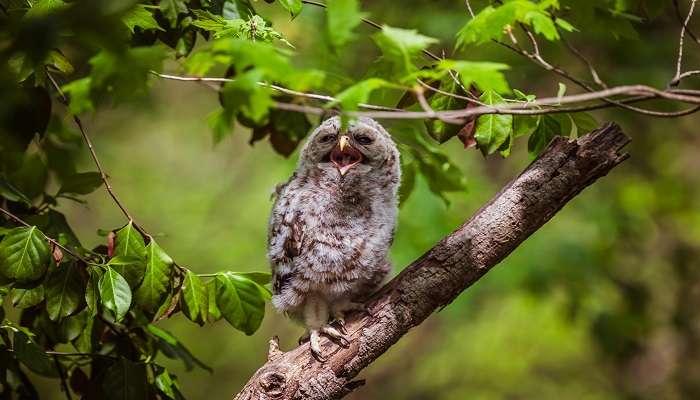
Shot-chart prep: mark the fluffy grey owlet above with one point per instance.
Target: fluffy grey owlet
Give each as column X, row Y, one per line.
column 332, row 225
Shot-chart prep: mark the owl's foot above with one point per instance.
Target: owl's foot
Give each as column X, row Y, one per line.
column 314, row 337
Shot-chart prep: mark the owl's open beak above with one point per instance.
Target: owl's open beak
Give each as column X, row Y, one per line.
column 344, row 156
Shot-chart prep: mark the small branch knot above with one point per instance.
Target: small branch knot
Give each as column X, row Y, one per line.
column 273, row 383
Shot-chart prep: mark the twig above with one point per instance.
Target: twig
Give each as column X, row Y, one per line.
column 469, row 8
column 640, row 93
column 50, row 240
column 103, row 175
column 426, row 107
column 580, row 56
column 682, row 76
column 280, row 89
column 679, row 15
column 62, row 376
column 681, row 40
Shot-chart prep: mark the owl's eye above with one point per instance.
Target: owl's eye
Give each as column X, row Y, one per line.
column 363, row 140
column 327, row 138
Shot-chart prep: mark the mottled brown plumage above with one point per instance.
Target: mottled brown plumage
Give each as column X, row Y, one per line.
column 332, row 224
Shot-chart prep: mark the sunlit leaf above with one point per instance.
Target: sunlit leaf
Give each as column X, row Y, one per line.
column 156, row 281
column 24, row 254
column 194, row 301
column 342, row 17
column 240, row 301
column 492, row 130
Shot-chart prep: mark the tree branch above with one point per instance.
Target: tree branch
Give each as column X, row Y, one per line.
column 439, row 276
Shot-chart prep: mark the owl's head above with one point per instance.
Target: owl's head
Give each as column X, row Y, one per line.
column 362, row 148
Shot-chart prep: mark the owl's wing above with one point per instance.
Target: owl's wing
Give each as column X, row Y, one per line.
column 286, row 237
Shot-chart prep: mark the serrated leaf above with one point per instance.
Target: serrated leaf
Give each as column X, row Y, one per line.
column 350, row 98
column 400, row 47
column 156, row 280
column 25, row 298
column 172, row 8
column 342, row 16
column 293, row 6
column 65, row 291
column 115, row 293
column 125, row 380
column 547, row 129
column 247, row 96
column 141, row 16
column 78, row 93
column 33, row 356
column 492, row 130
column 81, row 183
column 240, row 301
column 485, row 75
column 584, row 123
column 194, row 301
column 524, row 125
column 24, row 254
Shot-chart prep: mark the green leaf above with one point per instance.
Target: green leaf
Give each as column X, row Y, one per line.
column 524, row 125
column 24, row 254
column 31, row 177
column 33, row 356
column 492, row 130
column 172, row 348
column 166, row 384
column 485, row 75
column 82, row 183
column 89, row 337
column 350, row 98
column 115, row 293
column 141, row 16
column 213, row 312
column 78, row 93
column 546, row 130
column 194, row 301
column 342, row 16
column 92, row 291
column 172, row 8
column 156, row 281
column 583, row 123
column 65, row 291
column 491, row 22
column 247, row 96
column 561, row 91
column 240, row 301
column 400, row 47
column 130, row 268
column 293, row 6
column 542, row 23
column 126, row 380
column 10, row 192
column 129, row 242
column 25, row 298
column 261, row 278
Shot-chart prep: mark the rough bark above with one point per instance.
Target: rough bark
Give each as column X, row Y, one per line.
column 434, row 280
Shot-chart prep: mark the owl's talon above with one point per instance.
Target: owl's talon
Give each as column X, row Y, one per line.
column 315, row 346
column 341, row 325
column 335, row 335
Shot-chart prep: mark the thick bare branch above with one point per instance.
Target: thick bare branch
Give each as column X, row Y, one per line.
column 434, row 280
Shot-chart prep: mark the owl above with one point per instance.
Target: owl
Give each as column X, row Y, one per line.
column 332, row 225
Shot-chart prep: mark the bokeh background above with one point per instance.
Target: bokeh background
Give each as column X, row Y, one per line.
column 601, row 303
